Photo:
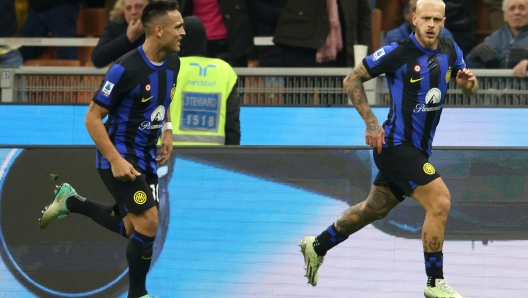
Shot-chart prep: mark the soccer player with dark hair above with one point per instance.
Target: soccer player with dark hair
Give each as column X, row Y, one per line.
column 418, row 70
column 135, row 95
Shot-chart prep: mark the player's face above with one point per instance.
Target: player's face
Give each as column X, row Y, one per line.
column 134, row 9
column 429, row 22
column 516, row 15
column 172, row 32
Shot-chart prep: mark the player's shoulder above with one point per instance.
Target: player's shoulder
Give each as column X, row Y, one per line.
column 173, row 61
column 390, row 51
column 129, row 58
column 446, row 44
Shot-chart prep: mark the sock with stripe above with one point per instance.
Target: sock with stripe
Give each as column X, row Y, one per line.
column 139, row 256
column 434, row 266
column 328, row 239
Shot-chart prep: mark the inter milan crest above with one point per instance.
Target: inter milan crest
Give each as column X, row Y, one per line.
column 173, row 91
column 448, row 75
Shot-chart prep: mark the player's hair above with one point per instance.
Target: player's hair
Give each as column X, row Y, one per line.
column 506, row 3
column 155, row 10
column 420, row 3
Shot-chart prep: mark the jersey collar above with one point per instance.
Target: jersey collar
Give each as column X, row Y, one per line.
column 155, row 67
column 427, row 51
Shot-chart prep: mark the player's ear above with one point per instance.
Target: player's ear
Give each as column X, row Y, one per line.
column 158, row 31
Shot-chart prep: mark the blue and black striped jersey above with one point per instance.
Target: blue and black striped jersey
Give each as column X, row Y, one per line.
column 137, row 93
column 418, row 80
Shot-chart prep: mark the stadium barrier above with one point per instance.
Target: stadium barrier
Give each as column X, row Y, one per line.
column 257, row 86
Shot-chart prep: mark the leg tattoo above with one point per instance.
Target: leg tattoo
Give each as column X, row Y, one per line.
column 378, row 204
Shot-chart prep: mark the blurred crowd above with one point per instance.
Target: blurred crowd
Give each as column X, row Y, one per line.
column 306, row 33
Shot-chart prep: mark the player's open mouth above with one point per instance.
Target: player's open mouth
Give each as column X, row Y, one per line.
column 429, row 34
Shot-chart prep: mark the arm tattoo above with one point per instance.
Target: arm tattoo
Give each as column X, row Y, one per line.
column 92, row 106
column 356, row 92
column 379, row 202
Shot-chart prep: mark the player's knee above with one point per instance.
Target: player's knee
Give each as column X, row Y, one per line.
column 441, row 205
column 381, row 213
column 150, row 220
column 153, row 221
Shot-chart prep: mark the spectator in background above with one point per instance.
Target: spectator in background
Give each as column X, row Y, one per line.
column 308, row 32
column 357, row 19
column 408, row 27
column 9, row 56
column 459, row 20
column 508, row 46
column 264, row 16
column 55, row 18
column 229, row 32
column 123, row 33
column 496, row 15
column 392, row 13
column 372, row 4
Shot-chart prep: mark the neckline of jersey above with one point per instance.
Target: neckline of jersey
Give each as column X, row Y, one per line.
column 149, row 63
column 427, row 51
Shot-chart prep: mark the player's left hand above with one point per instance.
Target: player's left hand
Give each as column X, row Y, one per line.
column 166, row 147
column 465, row 79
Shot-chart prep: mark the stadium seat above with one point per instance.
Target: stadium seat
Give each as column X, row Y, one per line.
column 52, row 88
column 52, row 62
column 84, row 54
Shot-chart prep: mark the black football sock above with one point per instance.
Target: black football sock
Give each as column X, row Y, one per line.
column 328, row 239
column 106, row 215
column 139, row 256
column 434, row 265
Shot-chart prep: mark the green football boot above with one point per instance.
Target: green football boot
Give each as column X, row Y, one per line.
column 57, row 209
column 312, row 261
column 441, row 290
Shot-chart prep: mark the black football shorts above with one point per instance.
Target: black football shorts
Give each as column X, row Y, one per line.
column 132, row 196
column 402, row 168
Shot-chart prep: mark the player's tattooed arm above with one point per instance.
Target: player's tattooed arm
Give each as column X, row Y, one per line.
column 374, row 133
column 378, row 204
column 168, row 115
column 91, row 107
column 356, row 92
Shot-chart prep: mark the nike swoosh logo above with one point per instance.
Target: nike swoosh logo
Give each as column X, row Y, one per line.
column 146, row 258
column 146, row 99
column 414, row 81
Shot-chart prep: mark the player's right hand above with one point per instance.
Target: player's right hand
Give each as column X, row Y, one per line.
column 124, row 171
column 375, row 135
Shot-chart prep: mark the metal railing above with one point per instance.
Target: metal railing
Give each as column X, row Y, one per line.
column 257, row 86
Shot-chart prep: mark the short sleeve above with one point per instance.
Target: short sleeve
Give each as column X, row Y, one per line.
column 384, row 60
column 107, row 94
column 459, row 62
